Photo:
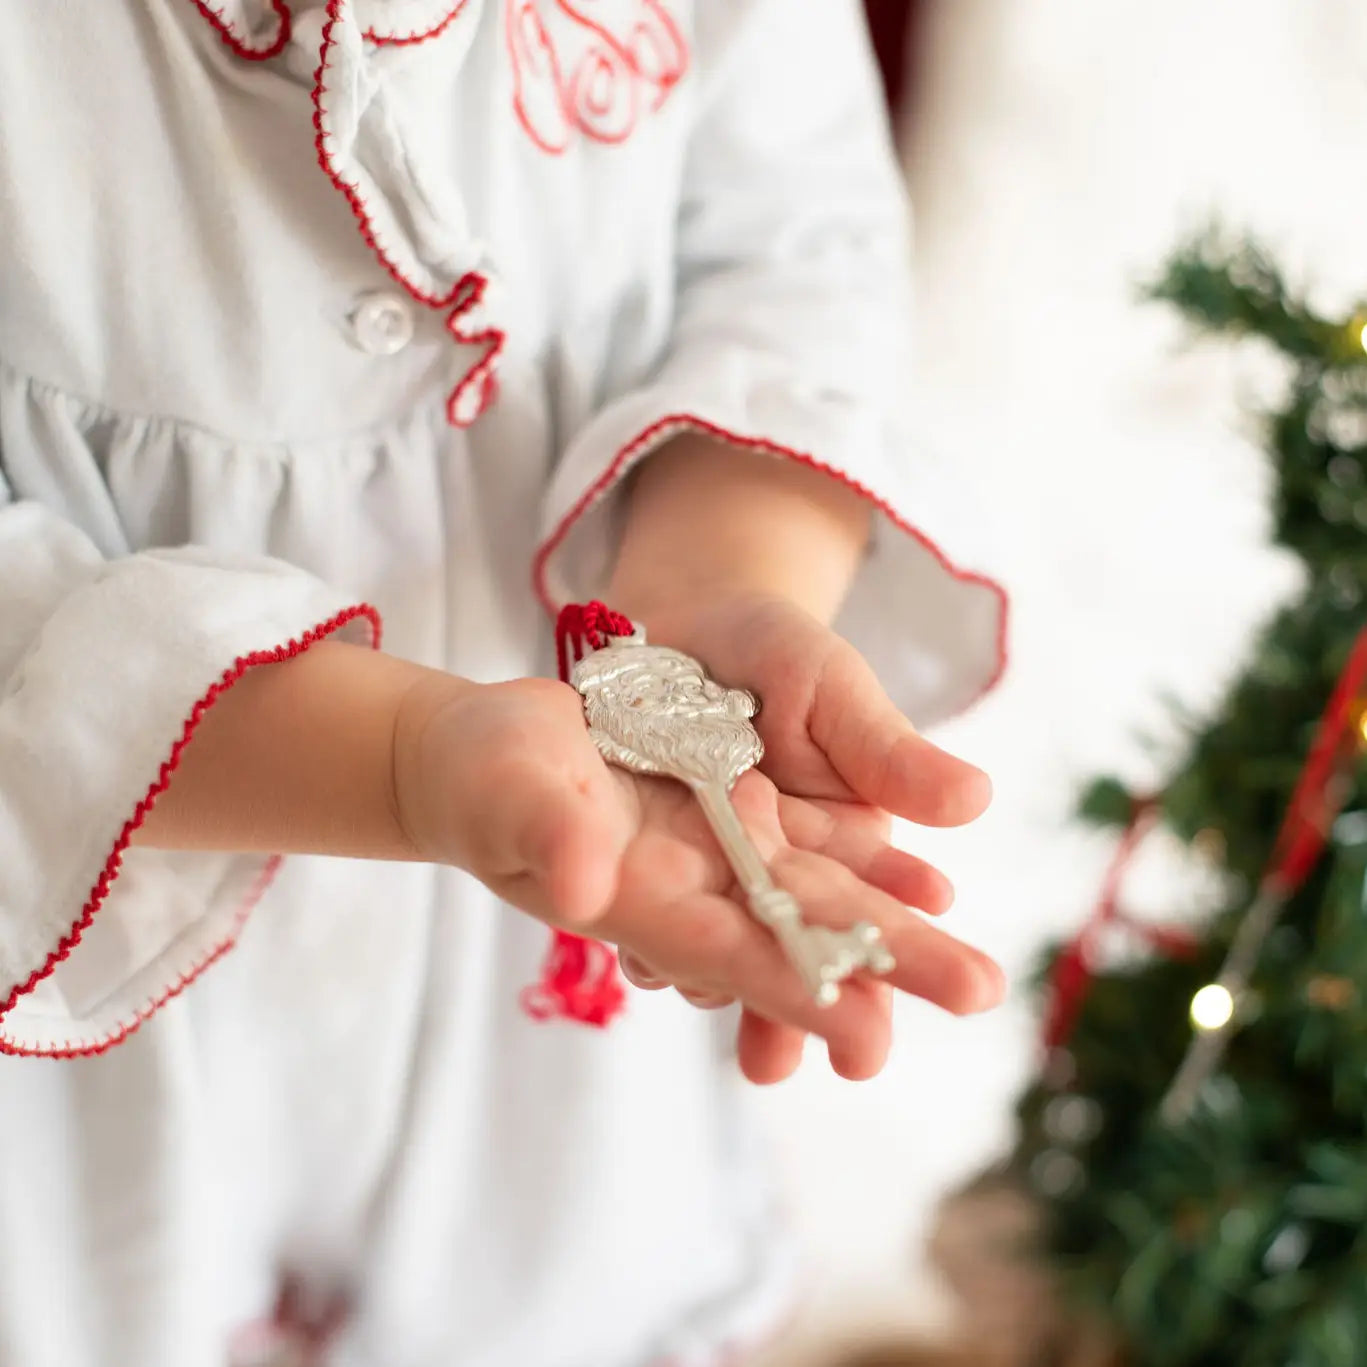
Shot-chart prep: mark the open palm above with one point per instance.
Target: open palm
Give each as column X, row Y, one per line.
column 678, row 920
column 505, row 781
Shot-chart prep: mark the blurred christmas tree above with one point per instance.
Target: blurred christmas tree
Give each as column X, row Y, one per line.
column 1198, row 1136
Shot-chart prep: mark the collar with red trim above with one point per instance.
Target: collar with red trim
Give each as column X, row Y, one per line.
column 260, row 28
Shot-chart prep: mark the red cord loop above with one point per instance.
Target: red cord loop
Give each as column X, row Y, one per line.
column 586, row 624
column 580, row 980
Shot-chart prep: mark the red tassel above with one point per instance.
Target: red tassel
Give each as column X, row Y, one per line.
column 579, row 980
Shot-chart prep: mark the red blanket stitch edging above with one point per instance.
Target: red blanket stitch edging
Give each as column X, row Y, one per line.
column 465, row 295
column 100, row 891
column 240, row 45
column 682, row 422
column 406, row 39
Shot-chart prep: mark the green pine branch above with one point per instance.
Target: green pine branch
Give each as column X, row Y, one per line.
column 1236, row 1239
column 1235, row 288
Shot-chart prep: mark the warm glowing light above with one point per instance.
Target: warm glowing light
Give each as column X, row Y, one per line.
column 1212, row 1007
column 1362, row 725
column 1362, row 336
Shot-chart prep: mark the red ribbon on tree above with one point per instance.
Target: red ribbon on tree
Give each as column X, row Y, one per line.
column 1317, row 799
column 580, row 979
column 1315, row 803
column 1073, row 968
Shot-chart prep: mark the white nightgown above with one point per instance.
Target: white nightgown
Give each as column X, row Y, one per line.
column 360, row 313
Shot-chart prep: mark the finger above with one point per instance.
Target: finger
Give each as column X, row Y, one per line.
column 575, row 843
column 938, row 968
column 707, row 942
column 882, row 758
column 554, row 810
column 767, row 1051
column 863, row 1058
column 859, row 1028
column 566, row 858
column 677, row 854
column 638, row 975
column 705, row 1001
column 856, row 836
column 929, row 963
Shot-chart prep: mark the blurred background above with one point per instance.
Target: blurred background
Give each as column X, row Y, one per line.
column 1057, row 151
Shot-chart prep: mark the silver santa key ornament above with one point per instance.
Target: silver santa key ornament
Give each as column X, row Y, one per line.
column 653, row 710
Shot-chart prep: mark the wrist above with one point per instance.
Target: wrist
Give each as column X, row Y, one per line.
column 670, row 611
column 708, row 522
column 424, row 707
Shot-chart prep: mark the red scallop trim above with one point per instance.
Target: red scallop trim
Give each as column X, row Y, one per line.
column 100, row 891
column 413, row 38
column 688, row 422
column 463, row 296
column 238, row 44
column 483, row 375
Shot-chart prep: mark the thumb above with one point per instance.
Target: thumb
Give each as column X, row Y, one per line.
column 573, row 825
column 883, row 759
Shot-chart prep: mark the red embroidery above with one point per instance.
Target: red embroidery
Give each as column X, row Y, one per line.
column 479, row 386
column 645, row 441
column 573, row 73
column 388, row 36
column 242, row 45
column 100, row 892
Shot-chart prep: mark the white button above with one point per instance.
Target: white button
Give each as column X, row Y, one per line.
column 382, row 323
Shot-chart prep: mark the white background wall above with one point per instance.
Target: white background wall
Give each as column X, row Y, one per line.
column 1059, row 148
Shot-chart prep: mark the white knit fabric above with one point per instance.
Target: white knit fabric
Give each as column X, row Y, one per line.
column 233, row 408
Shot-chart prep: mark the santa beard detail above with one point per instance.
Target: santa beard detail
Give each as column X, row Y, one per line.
column 654, row 711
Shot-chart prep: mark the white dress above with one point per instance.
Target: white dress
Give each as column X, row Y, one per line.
column 283, row 355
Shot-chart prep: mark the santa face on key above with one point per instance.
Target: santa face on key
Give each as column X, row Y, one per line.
column 651, row 709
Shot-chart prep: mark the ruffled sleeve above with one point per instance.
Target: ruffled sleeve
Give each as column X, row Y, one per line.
column 106, row 669
column 791, row 338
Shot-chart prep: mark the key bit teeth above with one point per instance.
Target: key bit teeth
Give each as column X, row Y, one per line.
column 876, row 956
column 829, row 957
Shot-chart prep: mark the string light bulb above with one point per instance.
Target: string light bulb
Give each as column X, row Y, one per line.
column 1212, row 1008
column 1354, row 333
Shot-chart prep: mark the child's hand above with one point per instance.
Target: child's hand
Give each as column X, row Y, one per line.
column 829, row 729
column 834, row 739
column 504, row 781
